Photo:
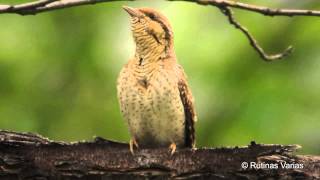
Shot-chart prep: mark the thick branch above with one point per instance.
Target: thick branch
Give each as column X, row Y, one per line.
column 29, row 156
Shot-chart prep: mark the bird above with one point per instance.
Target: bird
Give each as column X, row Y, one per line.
column 152, row 87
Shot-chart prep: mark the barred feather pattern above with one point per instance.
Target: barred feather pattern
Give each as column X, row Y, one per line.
column 153, row 93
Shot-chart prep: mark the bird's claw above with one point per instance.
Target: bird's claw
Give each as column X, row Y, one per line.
column 133, row 143
column 172, row 148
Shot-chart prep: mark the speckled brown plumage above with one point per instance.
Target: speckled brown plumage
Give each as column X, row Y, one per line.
column 152, row 89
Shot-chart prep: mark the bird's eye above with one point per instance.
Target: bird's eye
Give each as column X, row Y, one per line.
column 152, row 16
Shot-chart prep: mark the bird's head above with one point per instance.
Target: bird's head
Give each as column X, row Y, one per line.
column 149, row 23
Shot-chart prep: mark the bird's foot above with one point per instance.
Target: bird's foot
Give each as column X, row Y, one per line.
column 193, row 149
column 132, row 143
column 172, row 148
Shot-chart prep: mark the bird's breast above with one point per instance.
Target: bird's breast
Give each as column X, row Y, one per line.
column 152, row 106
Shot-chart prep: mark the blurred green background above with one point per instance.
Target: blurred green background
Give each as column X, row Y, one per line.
column 58, row 73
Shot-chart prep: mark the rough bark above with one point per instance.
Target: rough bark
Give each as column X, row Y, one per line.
column 30, row 156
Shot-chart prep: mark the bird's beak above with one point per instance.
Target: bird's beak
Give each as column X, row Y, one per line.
column 132, row 11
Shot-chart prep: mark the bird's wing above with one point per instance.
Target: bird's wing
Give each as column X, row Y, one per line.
column 189, row 110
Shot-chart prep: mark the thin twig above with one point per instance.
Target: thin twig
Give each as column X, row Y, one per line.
column 30, row 9
column 19, row 8
column 228, row 12
column 34, row 4
column 60, row 4
column 224, row 5
column 255, row 8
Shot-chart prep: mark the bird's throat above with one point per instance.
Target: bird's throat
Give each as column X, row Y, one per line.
column 147, row 53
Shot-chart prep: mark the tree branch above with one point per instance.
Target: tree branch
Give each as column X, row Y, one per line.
column 60, row 4
column 32, row 5
column 25, row 6
column 30, row 9
column 257, row 9
column 228, row 12
column 224, row 5
column 30, row 156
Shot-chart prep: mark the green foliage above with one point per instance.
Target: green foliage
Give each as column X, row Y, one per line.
column 58, row 73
